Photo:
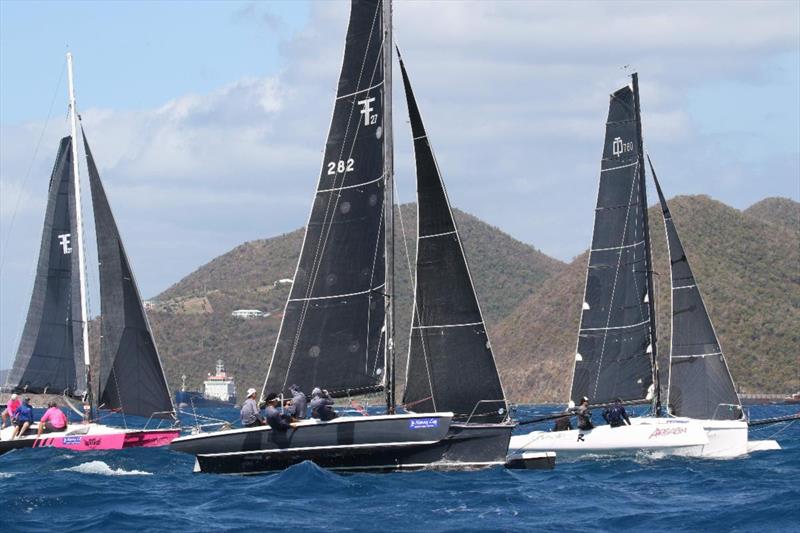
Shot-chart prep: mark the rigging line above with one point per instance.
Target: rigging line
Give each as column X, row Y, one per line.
column 30, row 168
column 613, row 290
column 321, row 242
column 369, row 306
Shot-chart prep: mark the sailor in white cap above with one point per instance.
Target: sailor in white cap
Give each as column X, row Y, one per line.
column 251, row 415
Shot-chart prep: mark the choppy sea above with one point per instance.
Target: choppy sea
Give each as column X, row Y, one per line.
column 155, row 490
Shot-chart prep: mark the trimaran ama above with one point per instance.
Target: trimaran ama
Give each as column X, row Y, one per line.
column 337, row 331
column 616, row 355
column 54, row 355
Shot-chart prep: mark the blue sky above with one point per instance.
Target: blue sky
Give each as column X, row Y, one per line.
column 207, row 119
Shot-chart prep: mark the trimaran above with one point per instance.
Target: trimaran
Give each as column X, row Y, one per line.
column 616, row 355
column 54, row 354
column 338, row 328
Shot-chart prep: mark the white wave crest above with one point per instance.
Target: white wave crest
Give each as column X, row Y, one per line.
column 5, row 475
column 102, row 469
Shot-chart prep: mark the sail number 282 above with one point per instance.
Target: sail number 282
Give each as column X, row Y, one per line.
column 340, row 167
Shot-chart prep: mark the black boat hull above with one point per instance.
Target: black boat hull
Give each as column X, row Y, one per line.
column 389, row 443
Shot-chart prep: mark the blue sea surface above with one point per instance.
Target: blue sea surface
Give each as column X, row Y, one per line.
column 155, row 490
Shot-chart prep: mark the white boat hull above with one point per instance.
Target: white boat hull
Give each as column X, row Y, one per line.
column 727, row 439
column 645, row 434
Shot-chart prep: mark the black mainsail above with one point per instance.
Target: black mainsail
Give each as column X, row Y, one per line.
column 700, row 384
column 331, row 333
column 616, row 342
column 451, row 366
column 50, row 358
column 128, row 369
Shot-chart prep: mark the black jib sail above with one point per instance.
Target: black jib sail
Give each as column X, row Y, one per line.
column 331, row 334
column 130, row 376
column 700, row 384
column 49, row 358
column 616, row 341
column 451, row 366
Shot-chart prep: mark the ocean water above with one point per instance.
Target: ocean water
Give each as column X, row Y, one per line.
column 155, row 490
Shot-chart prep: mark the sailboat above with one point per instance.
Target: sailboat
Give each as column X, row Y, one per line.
column 54, row 355
column 338, row 325
column 615, row 358
column 700, row 384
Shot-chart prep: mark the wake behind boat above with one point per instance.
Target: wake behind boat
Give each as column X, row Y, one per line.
column 53, row 355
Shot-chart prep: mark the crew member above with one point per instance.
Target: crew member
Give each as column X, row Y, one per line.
column 275, row 419
column 616, row 415
column 584, row 415
column 250, row 414
column 321, row 403
column 11, row 410
column 53, row 420
column 24, row 418
column 562, row 423
column 299, row 407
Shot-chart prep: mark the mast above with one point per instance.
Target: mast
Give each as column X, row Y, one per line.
column 388, row 203
column 651, row 299
column 79, row 227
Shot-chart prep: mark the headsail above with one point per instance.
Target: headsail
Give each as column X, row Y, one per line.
column 451, row 366
column 129, row 369
column 616, row 341
column 49, row 358
column 700, row 384
column 331, row 334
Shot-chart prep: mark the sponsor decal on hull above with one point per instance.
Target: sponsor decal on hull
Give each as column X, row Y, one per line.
column 423, row 423
column 663, row 432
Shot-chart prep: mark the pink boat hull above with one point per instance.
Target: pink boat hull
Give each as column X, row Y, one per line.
column 113, row 439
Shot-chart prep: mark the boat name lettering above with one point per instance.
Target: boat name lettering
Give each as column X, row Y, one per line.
column 72, row 440
column 659, row 432
column 618, row 147
column 92, row 442
column 423, row 423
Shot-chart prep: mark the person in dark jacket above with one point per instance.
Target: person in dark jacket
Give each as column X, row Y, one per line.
column 23, row 418
column 584, row 415
column 250, row 413
column 275, row 419
column 563, row 423
column 616, row 415
column 299, row 407
column 321, row 403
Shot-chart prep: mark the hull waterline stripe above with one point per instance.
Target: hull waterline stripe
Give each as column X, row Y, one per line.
column 335, row 447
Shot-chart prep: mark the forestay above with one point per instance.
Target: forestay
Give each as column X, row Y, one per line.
column 616, row 341
column 331, row 333
column 130, row 374
column 700, row 384
column 451, row 366
column 49, row 358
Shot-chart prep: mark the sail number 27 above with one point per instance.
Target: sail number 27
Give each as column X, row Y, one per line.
column 340, row 167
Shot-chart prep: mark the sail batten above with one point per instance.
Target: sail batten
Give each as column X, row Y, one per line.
column 700, row 383
column 128, row 367
column 614, row 354
column 451, row 365
column 50, row 357
column 331, row 333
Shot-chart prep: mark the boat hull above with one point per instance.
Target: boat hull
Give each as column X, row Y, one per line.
column 727, row 439
column 377, row 443
column 645, row 434
column 89, row 437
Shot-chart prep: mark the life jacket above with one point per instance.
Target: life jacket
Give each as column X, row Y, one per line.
column 615, row 416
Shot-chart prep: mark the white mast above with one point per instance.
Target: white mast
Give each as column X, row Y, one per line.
column 73, row 115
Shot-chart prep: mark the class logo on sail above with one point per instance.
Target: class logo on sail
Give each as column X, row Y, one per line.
column 64, row 241
column 619, row 147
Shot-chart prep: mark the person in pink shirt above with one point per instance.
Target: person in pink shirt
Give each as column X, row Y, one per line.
column 11, row 410
column 53, row 420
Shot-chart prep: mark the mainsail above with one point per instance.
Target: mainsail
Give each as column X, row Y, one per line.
column 616, row 341
column 130, row 374
column 331, row 334
column 700, row 384
column 49, row 358
column 451, row 366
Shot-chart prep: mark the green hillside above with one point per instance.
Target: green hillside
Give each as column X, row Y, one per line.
column 193, row 324
column 748, row 269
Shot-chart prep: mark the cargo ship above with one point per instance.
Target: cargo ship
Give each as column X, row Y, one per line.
column 219, row 390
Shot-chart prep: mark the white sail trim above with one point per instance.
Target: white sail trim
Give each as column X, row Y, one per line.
column 345, row 295
column 618, row 247
column 619, row 167
column 684, row 287
column 379, row 178
column 449, row 325
column 694, row 356
column 361, row 91
column 437, row 235
column 617, row 327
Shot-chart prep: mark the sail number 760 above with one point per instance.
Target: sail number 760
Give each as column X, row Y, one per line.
column 340, row 167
